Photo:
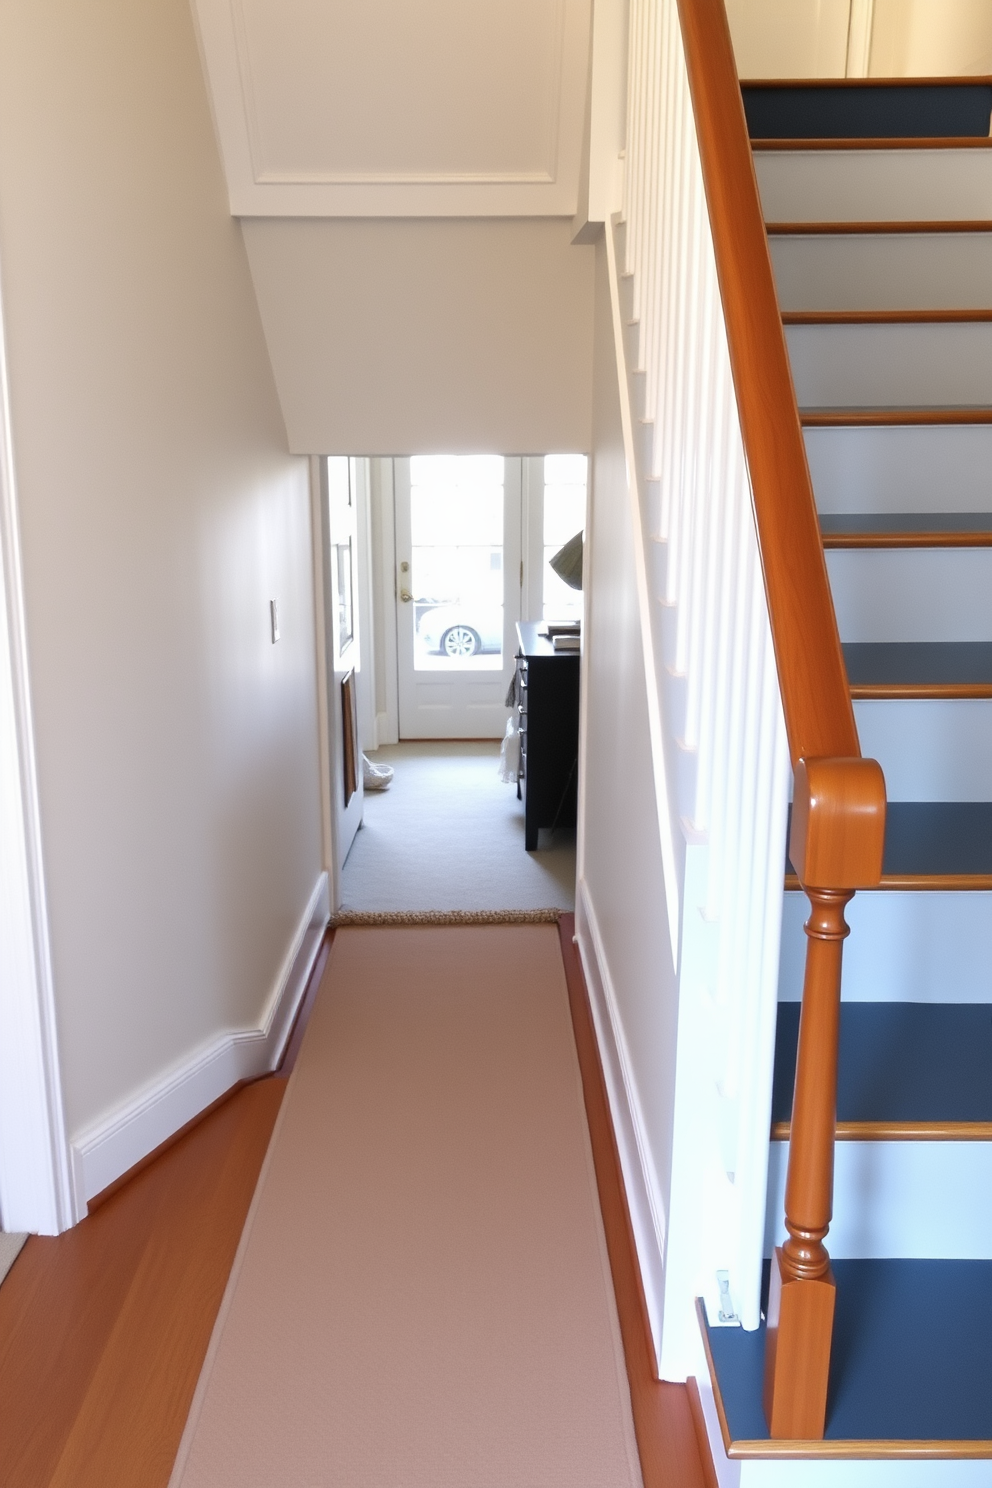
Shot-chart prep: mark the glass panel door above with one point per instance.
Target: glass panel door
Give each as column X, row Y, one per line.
column 458, row 591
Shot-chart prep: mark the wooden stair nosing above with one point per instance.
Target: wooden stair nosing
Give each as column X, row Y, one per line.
column 886, row 317
column 844, row 418
column 924, row 691
column 970, row 883
column 930, row 227
column 947, row 80
column 899, row 1131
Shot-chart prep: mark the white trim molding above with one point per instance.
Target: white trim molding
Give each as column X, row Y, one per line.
column 645, row 1204
column 105, row 1150
column 36, row 1191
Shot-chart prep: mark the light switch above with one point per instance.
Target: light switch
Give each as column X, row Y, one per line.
column 274, row 618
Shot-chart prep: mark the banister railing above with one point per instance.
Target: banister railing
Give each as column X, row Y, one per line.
column 839, row 797
column 838, row 816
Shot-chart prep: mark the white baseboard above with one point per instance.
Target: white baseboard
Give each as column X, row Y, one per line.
column 647, row 1214
column 112, row 1145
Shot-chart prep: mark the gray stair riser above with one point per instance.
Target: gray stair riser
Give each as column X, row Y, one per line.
column 937, row 750
column 938, row 467
column 916, row 185
column 913, row 1199
column 891, row 365
column 903, row 947
column 874, row 271
column 912, row 594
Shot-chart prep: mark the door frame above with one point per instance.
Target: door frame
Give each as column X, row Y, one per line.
column 37, row 1188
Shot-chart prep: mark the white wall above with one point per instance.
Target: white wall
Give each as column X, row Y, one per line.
column 622, row 888
column 160, row 512
column 877, row 38
column 409, row 336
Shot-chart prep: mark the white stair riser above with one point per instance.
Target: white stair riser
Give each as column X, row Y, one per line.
column 936, row 467
column 891, row 365
column 903, row 947
column 912, row 594
column 875, row 185
column 875, row 271
column 950, row 758
column 914, row 1473
column 912, row 1199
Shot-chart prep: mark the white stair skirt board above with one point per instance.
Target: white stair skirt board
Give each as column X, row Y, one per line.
column 927, row 468
column 909, row 1199
column 912, row 594
column 917, row 185
column 892, row 364
column 903, row 947
column 112, row 1145
column 879, row 271
column 644, row 1203
column 951, row 757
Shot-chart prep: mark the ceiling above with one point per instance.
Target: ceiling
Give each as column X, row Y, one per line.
column 368, row 108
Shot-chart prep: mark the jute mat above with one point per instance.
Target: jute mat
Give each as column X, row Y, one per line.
column 422, row 1297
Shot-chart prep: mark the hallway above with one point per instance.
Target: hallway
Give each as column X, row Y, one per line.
column 448, row 834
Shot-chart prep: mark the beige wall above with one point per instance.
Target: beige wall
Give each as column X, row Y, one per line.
column 920, row 38
column 397, row 336
column 160, row 512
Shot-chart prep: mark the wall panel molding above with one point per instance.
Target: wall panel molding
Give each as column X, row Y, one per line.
column 443, row 109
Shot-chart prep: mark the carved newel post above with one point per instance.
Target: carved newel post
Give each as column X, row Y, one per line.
column 838, row 827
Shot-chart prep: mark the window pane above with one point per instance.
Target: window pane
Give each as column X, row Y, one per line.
column 564, row 516
column 456, row 519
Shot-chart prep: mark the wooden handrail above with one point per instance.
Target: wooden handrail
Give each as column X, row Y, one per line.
column 838, row 817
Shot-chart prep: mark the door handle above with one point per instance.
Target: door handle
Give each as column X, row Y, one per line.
column 405, row 596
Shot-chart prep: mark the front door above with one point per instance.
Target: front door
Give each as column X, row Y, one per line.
column 458, row 582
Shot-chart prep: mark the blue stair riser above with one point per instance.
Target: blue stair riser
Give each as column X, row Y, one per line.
column 868, row 111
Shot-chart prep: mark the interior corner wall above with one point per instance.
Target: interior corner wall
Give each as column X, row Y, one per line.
column 160, row 512
column 621, row 875
column 403, row 336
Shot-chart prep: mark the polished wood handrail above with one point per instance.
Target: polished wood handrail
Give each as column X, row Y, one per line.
column 838, row 816
column 819, row 717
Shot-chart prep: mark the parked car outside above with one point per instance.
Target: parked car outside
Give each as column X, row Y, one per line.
column 461, row 630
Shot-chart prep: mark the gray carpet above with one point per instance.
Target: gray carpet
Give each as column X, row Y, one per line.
column 448, row 834
column 10, row 1249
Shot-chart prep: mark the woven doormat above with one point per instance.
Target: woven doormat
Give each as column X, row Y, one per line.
column 447, row 917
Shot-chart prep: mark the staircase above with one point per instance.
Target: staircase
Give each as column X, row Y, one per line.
column 878, row 203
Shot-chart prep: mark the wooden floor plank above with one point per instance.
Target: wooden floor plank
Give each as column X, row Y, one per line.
column 104, row 1329
column 666, row 1434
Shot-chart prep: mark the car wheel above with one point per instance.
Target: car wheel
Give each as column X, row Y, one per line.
column 460, row 640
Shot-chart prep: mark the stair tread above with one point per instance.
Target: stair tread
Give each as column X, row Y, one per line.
column 899, row 1062
column 909, row 110
column 911, row 1359
column 906, row 529
column 923, row 663
column 937, row 838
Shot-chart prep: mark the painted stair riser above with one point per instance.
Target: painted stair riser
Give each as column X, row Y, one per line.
column 912, row 1199
column 887, row 185
column 898, row 271
column 903, row 947
column 892, row 365
column 912, row 594
column 940, row 467
column 932, row 750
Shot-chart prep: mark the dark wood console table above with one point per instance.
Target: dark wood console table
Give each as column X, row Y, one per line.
column 548, row 694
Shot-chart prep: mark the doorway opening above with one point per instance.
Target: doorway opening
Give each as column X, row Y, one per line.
column 457, row 570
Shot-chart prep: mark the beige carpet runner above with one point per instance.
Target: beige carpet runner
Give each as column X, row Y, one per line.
column 422, row 1297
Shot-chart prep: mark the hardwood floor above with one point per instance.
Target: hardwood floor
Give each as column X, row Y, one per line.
column 672, row 1454
column 104, row 1329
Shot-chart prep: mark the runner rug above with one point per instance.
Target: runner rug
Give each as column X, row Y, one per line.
column 422, row 1297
